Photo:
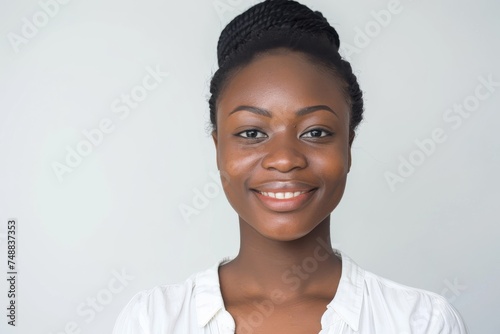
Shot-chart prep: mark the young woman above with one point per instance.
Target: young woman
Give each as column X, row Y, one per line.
column 284, row 110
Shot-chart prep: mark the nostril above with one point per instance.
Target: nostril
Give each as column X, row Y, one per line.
column 284, row 159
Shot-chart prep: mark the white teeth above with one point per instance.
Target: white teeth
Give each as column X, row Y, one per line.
column 285, row 195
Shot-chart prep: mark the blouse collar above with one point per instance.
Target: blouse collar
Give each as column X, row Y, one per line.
column 346, row 304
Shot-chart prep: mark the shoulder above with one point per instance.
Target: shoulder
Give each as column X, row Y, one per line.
column 390, row 289
column 370, row 303
column 157, row 306
column 424, row 310
column 161, row 308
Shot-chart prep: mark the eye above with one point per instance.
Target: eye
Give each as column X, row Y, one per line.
column 252, row 134
column 316, row 133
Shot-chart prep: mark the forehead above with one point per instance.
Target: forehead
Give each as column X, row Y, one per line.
column 283, row 80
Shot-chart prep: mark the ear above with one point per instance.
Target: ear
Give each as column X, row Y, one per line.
column 352, row 134
column 214, row 137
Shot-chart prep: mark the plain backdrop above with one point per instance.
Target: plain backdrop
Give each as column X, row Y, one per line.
column 143, row 205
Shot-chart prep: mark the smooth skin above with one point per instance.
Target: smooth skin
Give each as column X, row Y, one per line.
column 282, row 126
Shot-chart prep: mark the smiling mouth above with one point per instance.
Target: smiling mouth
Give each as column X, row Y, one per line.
column 282, row 195
column 285, row 201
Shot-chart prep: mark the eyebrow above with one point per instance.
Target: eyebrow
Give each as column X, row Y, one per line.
column 300, row 112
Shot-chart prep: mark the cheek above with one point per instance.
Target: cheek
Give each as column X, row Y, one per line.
column 236, row 161
column 333, row 167
column 237, row 166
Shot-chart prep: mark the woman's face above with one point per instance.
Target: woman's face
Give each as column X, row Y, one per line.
column 283, row 144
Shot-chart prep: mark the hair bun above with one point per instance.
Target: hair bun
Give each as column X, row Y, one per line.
column 270, row 15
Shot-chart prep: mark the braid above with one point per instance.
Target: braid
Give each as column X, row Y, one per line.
column 268, row 15
column 282, row 23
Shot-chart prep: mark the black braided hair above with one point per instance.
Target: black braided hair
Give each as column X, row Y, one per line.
column 274, row 24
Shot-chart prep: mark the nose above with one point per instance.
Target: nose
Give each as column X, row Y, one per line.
column 284, row 154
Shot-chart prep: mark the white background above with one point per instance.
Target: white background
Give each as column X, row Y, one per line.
column 119, row 209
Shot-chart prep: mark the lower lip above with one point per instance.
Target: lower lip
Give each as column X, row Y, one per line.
column 284, row 205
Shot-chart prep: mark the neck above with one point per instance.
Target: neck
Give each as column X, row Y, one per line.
column 297, row 268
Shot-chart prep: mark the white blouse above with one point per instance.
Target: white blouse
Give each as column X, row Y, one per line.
column 363, row 303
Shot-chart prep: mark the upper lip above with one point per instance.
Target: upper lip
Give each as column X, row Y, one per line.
column 283, row 186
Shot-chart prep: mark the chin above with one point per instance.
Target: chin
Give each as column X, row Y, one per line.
column 282, row 236
column 284, row 228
